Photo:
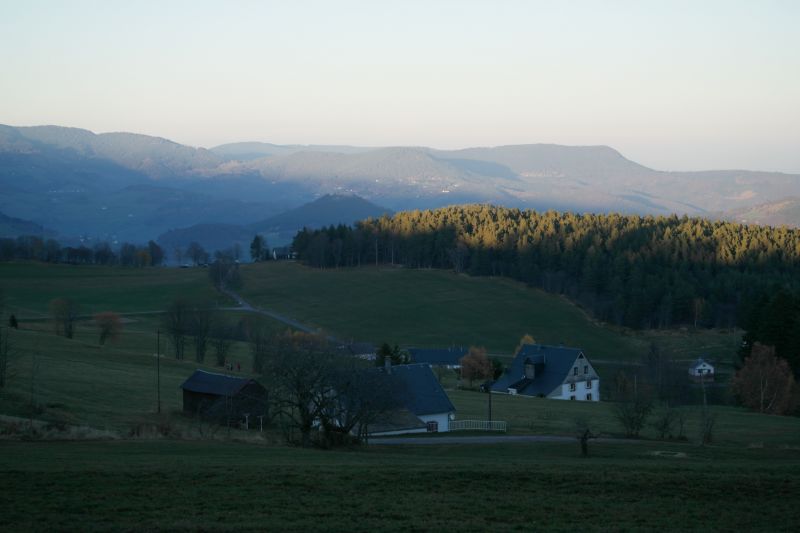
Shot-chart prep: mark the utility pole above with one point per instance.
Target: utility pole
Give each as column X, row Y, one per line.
column 158, row 370
column 490, row 403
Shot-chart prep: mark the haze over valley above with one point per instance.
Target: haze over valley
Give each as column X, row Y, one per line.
column 126, row 186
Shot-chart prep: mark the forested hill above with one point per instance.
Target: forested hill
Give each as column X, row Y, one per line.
column 636, row 271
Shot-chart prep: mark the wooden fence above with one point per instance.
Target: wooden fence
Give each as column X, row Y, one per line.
column 478, row 425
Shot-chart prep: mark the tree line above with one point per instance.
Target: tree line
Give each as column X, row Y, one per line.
column 34, row 248
column 636, row 271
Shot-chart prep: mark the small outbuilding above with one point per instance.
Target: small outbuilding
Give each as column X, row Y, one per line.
column 223, row 398
column 701, row 370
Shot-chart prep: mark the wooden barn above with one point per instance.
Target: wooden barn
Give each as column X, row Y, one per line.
column 224, row 398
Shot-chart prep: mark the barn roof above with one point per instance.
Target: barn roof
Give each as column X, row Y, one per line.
column 423, row 394
column 438, row 356
column 212, row 383
column 552, row 364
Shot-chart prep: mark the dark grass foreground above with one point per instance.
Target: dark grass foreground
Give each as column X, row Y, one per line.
column 227, row 486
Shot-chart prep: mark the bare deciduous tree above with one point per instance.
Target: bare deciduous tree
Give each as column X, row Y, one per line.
column 632, row 410
column 176, row 323
column 222, row 340
column 109, row 325
column 64, row 312
column 6, row 349
column 200, row 323
column 765, row 382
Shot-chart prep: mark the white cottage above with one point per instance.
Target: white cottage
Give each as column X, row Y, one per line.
column 554, row 372
column 701, row 370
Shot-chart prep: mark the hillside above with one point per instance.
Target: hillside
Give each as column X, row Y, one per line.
column 785, row 212
column 212, row 237
column 436, row 308
column 14, row 227
column 330, row 209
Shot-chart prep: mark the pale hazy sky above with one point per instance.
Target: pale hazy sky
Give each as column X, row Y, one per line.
column 673, row 85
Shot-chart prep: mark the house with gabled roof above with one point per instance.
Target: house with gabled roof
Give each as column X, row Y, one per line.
column 426, row 406
column 555, row 372
column 223, row 397
column 701, row 370
column 446, row 357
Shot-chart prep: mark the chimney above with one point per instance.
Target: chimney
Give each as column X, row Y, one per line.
column 387, row 364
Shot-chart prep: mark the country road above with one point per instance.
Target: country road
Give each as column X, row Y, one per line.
column 489, row 439
column 246, row 306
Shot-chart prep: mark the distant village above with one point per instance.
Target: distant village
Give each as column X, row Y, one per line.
column 421, row 403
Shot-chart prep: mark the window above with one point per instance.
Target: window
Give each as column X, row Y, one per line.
column 588, row 383
column 572, row 397
column 585, row 369
column 589, row 396
column 575, row 371
column 571, row 386
column 433, row 426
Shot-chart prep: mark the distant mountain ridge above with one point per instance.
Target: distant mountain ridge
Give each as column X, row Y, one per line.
column 14, row 227
column 330, row 209
column 280, row 229
column 66, row 178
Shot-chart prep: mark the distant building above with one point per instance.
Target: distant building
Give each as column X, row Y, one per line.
column 283, row 253
column 701, row 370
column 554, row 372
column 223, row 398
column 362, row 350
column 427, row 408
column 446, row 357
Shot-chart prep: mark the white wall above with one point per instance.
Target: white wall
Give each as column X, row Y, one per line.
column 580, row 392
column 442, row 418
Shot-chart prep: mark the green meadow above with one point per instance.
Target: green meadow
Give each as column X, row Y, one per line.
column 179, row 474
column 437, row 308
column 223, row 486
column 30, row 286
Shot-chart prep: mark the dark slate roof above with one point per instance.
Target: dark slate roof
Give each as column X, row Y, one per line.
column 423, row 393
column 397, row 420
column 552, row 363
column 438, row 356
column 211, row 383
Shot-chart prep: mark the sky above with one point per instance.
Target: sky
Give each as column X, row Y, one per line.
column 672, row 85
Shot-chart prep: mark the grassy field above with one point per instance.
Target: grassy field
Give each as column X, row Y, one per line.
column 748, row 479
column 734, row 426
column 170, row 485
column 438, row 308
column 30, row 286
column 77, row 381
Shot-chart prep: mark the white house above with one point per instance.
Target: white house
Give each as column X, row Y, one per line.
column 701, row 370
column 554, row 372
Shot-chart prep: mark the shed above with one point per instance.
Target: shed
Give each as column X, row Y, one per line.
column 223, row 397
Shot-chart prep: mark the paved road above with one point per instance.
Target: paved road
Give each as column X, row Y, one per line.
column 488, row 439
